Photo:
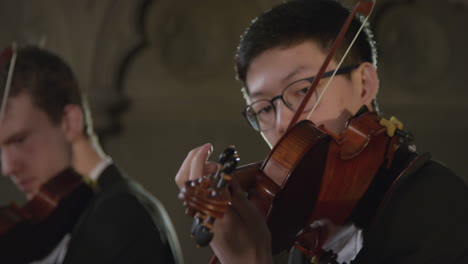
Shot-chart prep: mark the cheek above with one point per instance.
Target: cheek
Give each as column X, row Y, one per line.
column 58, row 149
column 329, row 107
column 269, row 137
column 50, row 156
column 351, row 99
column 334, row 109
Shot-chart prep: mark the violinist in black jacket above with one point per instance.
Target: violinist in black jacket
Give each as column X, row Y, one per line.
column 415, row 211
column 45, row 129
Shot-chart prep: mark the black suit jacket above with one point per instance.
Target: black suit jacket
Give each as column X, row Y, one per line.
column 123, row 224
column 423, row 218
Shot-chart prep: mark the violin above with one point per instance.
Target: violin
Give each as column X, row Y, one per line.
column 311, row 173
column 32, row 231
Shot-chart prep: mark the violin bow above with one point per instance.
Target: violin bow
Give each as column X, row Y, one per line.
column 364, row 8
column 8, row 52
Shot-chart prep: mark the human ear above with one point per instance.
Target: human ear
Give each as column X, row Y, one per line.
column 72, row 122
column 368, row 81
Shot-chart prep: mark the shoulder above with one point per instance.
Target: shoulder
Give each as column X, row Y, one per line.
column 129, row 196
column 119, row 214
column 432, row 197
column 120, row 195
column 119, row 229
column 433, row 185
column 125, row 218
column 424, row 219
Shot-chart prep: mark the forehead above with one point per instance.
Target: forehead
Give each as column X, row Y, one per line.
column 20, row 113
column 275, row 68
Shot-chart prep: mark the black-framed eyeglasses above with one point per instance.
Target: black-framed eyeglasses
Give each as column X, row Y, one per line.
column 261, row 114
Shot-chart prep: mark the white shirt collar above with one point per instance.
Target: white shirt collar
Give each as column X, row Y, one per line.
column 100, row 167
column 346, row 243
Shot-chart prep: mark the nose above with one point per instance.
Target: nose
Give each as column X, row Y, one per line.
column 284, row 116
column 10, row 164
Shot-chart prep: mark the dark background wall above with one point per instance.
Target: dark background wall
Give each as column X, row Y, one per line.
column 159, row 74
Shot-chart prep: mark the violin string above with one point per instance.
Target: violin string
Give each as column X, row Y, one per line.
column 341, row 62
column 8, row 82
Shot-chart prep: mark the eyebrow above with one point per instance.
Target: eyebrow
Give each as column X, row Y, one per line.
column 15, row 136
column 283, row 80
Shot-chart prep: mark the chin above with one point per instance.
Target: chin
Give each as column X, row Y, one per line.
column 30, row 191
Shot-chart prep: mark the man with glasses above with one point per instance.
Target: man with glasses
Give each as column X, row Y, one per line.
column 424, row 217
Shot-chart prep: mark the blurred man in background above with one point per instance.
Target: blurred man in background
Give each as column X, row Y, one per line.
column 46, row 128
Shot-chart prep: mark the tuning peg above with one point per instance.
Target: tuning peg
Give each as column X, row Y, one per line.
column 202, row 235
column 227, row 154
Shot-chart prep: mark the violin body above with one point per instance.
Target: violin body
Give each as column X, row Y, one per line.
column 321, row 176
column 286, row 186
column 353, row 159
column 31, row 232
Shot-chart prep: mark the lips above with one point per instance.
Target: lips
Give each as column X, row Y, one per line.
column 26, row 185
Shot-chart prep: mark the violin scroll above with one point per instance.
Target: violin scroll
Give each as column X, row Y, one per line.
column 209, row 197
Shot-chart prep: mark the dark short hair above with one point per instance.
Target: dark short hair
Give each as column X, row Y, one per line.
column 47, row 78
column 297, row 21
